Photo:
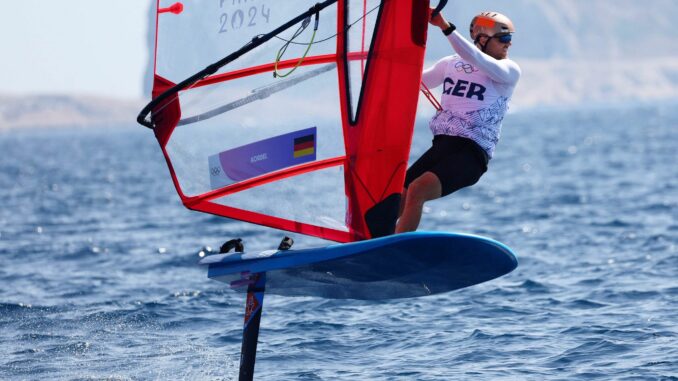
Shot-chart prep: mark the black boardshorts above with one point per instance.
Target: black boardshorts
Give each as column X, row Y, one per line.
column 458, row 162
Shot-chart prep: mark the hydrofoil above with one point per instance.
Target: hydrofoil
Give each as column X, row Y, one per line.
column 397, row 266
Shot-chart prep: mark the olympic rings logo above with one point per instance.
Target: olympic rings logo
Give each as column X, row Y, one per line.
column 466, row 68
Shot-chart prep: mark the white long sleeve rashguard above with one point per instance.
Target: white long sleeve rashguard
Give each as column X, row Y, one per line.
column 476, row 92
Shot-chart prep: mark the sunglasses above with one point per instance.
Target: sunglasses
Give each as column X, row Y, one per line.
column 504, row 38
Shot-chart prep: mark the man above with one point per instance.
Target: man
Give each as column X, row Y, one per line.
column 478, row 83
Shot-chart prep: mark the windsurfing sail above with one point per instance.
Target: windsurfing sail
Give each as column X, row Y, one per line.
column 319, row 148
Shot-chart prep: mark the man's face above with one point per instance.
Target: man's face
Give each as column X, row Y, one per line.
column 497, row 49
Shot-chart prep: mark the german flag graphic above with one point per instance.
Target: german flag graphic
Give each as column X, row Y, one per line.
column 304, row 146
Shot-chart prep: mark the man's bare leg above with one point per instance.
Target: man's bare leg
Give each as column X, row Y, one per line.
column 403, row 198
column 425, row 188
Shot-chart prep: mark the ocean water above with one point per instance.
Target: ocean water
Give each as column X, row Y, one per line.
column 98, row 274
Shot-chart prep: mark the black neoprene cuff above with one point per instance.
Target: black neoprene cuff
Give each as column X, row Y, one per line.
column 447, row 31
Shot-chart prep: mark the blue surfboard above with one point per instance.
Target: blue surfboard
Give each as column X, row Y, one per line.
column 397, row 266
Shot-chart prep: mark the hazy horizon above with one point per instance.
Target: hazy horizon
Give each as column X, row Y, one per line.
column 78, row 48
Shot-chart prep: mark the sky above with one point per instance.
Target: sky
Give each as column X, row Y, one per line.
column 98, row 47
column 73, row 46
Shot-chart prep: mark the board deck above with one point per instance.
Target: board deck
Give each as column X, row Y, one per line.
column 398, row 266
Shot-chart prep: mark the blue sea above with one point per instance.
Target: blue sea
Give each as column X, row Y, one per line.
column 99, row 277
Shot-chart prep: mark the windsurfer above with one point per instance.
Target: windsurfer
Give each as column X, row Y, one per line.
column 478, row 83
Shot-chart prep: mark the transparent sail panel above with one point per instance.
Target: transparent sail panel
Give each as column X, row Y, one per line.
column 316, row 198
column 207, row 31
column 254, row 126
column 362, row 19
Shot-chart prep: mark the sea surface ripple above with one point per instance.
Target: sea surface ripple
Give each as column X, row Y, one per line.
column 98, row 274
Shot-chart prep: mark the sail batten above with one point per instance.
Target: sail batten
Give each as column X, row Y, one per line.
column 265, row 68
column 257, row 181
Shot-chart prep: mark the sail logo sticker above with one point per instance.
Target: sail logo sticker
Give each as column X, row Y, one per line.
column 262, row 157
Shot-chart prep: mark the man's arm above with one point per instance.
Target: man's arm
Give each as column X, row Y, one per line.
column 503, row 71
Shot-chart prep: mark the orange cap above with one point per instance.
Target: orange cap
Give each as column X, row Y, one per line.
column 490, row 24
